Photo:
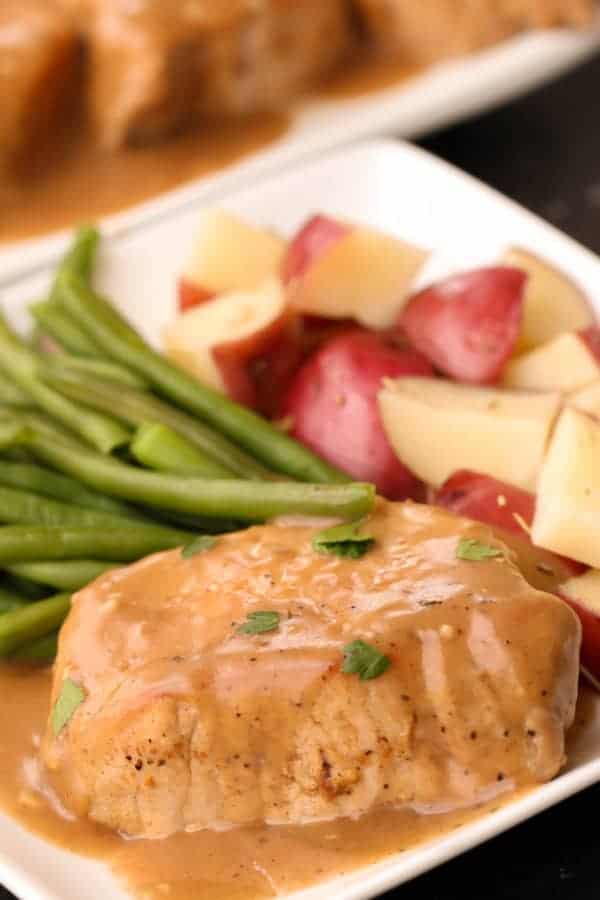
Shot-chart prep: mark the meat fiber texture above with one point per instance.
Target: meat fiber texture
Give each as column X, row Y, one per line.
column 430, row 30
column 189, row 724
column 159, row 65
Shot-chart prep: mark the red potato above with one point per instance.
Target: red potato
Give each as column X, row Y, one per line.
column 332, row 407
column 591, row 338
column 313, row 239
column 583, row 596
column 488, row 500
column 364, row 275
column 222, row 340
column 468, row 324
column 227, row 255
column 190, row 295
column 272, row 372
column 511, row 510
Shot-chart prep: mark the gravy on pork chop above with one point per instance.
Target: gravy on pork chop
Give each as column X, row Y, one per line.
column 189, row 727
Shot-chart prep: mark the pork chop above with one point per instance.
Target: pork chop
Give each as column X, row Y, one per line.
column 189, row 724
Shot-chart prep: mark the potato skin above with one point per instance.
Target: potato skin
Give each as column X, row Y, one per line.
column 468, row 325
column 332, row 404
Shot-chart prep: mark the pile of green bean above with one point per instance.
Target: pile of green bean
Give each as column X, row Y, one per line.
column 109, row 452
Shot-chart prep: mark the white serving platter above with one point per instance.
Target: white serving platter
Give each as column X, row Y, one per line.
column 440, row 96
column 407, row 192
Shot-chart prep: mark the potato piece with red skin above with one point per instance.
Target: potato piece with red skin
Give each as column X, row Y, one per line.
column 190, row 295
column 511, row 510
column 468, row 325
column 583, row 596
column 314, row 238
column 332, row 405
column 224, row 339
column 591, row 338
column 488, row 500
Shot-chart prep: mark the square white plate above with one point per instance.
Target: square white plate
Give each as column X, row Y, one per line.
column 404, row 191
column 439, row 96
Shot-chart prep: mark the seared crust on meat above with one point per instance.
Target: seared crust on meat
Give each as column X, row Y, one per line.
column 189, row 724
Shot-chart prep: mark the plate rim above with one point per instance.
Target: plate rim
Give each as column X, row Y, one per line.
column 371, row 880
column 454, row 89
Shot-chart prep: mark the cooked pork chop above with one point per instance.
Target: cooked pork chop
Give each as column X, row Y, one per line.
column 38, row 57
column 157, row 66
column 189, row 724
column 433, row 29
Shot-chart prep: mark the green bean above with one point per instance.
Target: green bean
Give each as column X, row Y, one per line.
column 36, row 620
column 39, row 480
column 32, row 418
column 80, row 258
column 97, row 368
column 61, row 328
column 159, row 447
column 23, row 543
column 11, row 395
column 19, row 507
column 245, row 500
column 39, row 652
column 10, row 600
column 119, row 341
column 135, row 408
column 11, row 434
column 64, row 575
column 27, row 590
column 102, row 431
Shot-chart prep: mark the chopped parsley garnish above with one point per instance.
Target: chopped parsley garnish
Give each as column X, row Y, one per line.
column 344, row 541
column 476, row 551
column 364, row 660
column 260, row 622
column 70, row 698
column 199, row 545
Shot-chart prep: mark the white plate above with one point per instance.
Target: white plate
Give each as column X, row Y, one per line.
column 444, row 94
column 407, row 192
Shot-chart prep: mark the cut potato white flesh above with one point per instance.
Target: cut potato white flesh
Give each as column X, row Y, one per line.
column 553, row 302
column 567, row 517
column 230, row 255
column 366, row 275
column 584, row 589
column 564, row 364
column 216, row 338
column 438, row 427
column 587, row 400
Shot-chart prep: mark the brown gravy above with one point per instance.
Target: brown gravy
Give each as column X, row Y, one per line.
column 242, row 864
column 82, row 183
column 77, row 182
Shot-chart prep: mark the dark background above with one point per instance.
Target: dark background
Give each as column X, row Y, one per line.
column 544, row 151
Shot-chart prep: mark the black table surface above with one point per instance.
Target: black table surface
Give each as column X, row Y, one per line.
column 544, row 151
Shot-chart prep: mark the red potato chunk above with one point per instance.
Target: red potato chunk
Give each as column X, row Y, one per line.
column 511, row 510
column 468, row 324
column 591, row 338
column 332, row 405
column 190, row 295
column 583, row 596
column 311, row 242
